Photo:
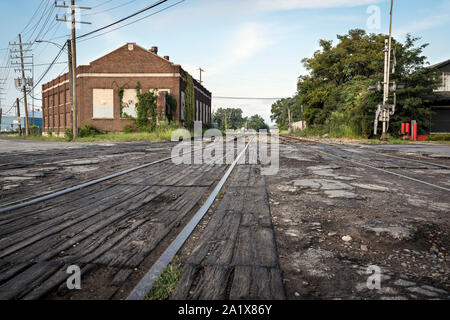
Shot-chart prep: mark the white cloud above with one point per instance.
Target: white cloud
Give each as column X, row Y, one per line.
column 421, row 25
column 248, row 40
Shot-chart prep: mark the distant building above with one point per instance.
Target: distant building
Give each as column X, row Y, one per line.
column 99, row 84
column 440, row 120
column 12, row 123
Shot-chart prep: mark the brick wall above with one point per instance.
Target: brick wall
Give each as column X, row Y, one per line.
column 122, row 68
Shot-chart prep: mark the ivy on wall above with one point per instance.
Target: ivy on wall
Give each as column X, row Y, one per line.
column 189, row 102
column 146, row 112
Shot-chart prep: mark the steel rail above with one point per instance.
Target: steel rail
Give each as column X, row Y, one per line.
column 380, row 169
column 377, row 153
column 141, row 289
column 90, row 183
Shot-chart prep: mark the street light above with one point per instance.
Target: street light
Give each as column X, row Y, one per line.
column 54, row 43
column 71, row 78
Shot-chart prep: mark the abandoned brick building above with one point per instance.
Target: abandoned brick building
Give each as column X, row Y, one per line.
column 99, row 84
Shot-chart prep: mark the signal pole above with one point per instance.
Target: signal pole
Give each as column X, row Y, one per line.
column 74, row 61
column 387, row 70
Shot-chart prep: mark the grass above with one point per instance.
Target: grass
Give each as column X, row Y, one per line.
column 319, row 132
column 154, row 136
column 167, row 281
column 36, row 138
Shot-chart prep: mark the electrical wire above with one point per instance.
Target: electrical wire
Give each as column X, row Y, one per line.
column 123, row 19
column 110, row 9
column 152, row 14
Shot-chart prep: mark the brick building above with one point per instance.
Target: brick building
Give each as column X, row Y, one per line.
column 99, row 84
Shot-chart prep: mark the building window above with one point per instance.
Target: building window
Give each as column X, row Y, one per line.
column 129, row 103
column 103, row 103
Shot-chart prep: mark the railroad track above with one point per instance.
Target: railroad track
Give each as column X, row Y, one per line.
column 81, row 225
column 372, row 152
column 289, row 139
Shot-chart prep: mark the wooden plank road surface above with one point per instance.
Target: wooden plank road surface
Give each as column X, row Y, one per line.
column 112, row 226
column 236, row 255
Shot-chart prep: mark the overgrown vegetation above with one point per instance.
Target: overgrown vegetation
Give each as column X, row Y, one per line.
column 335, row 94
column 189, row 98
column 439, row 137
column 167, row 281
column 89, row 130
column 145, row 109
column 231, row 118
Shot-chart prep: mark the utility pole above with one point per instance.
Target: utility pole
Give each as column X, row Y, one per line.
column 18, row 116
column 201, row 70
column 24, row 87
column 74, row 61
column 22, row 83
column 69, row 53
column 32, row 90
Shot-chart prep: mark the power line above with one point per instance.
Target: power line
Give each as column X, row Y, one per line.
column 110, row 9
column 145, row 17
column 32, row 17
column 101, row 4
column 123, row 19
column 50, row 66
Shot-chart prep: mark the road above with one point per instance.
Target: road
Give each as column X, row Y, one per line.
column 308, row 232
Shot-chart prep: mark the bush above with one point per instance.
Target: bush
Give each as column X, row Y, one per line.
column 129, row 129
column 439, row 137
column 89, row 131
column 69, row 134
column 35, row 131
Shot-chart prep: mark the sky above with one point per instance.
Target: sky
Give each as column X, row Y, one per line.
column 248, row 48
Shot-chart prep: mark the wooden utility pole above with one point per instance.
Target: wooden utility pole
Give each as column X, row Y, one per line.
column 24, row 86
column 18, row 116
column 74, row 74
column 69, row 53
column 73, row 59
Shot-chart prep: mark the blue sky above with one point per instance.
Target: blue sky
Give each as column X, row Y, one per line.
column 250, row 48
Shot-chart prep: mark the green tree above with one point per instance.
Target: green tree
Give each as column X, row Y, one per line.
column 280, row 111
column 229, row 118
column 256, row 122
column 335, row 92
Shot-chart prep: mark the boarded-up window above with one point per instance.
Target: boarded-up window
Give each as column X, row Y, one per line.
column 129, row 103
column 103, row 103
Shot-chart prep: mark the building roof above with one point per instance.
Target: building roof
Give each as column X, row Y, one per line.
column 441, row 64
